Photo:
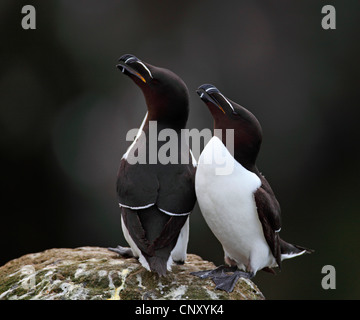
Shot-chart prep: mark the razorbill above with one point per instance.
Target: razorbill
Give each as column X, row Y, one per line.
column 156, row 198
column 239, row 205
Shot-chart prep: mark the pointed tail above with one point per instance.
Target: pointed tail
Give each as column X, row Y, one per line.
column 157, row 264
column 289, row 250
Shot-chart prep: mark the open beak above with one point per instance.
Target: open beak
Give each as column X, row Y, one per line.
column 210, row 94
column 207, row 93
column 130, row 65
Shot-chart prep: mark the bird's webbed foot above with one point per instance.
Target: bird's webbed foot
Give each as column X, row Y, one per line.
column 225, row 278
column 123, row 252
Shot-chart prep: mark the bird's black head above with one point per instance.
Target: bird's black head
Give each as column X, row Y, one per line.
column 229, row 115
column 165, row 92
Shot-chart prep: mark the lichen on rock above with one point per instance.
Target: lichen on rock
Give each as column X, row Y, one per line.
column 94, row 273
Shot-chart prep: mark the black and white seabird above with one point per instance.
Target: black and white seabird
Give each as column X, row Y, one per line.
column 156, row 199
column 239, row 207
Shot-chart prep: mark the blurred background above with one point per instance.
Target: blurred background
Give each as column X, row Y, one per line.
column 65, row 111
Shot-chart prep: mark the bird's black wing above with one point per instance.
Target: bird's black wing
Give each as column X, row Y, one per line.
column 170, row 187
column 177, row 189
column 137, row 185
column 154, row 233
column 156, row 201
column 270, row 217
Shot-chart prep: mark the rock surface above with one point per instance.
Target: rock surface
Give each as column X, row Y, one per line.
column 89, row 273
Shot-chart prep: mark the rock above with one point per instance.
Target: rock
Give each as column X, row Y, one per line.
column 96, row 273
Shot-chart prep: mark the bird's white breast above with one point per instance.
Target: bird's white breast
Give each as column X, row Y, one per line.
column 228, row 205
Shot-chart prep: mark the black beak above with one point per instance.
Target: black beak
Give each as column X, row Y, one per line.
column 207, row 93
column 210, row 94
column 128, row 64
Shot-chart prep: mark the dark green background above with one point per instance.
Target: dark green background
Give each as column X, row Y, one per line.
column 65, row 111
